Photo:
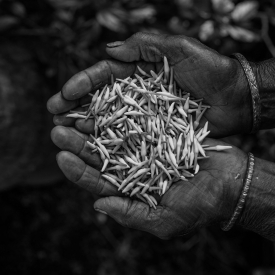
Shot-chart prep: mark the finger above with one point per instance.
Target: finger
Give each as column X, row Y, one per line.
column 82, row 125
column 84, row 175
column 57, row 104
column 134, row 214
column 63, row 120
column 148, row 47
column 94, row 77
column 69, row 139
column 74, row 91
column 85, row 126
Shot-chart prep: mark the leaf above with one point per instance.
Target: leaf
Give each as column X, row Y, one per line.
column 7, row 22
column 242, row 34
column 223, row 6
column 245, row 11
column 207, row 29
column 107, row 19
column 143, row 13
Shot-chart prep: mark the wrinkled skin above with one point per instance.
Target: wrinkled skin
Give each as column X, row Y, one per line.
column 210, row 196
column 203, row 72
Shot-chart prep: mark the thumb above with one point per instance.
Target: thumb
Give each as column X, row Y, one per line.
column 132, row 213
column 149, row 47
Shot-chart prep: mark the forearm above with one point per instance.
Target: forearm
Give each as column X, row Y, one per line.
column 259, row 210
column 265, row 76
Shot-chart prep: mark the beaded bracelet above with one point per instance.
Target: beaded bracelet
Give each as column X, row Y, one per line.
column 249, row 173
column 254, row 91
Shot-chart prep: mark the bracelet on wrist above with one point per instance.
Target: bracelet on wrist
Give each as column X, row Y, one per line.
column 225, row 226
column 256, row 104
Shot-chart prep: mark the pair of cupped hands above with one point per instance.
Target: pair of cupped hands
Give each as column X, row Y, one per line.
column 209, row 197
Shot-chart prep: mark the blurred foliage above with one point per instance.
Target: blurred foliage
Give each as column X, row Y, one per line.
column 55, row 230
column 73, row 33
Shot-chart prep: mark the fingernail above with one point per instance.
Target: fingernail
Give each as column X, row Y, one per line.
column 101, row 211
column 115, row 44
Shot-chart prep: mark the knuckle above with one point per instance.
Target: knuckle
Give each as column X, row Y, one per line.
column 88, row 76
column 181, row 37
column 143, row 37
column 106, row 67
column 77, row 177
column 83, row 147
column 195, row 40
column 100, row 186
column 164, row 226
column 101, row 72
column 127, row 209
column 103, row 65
column 134, row 214
column 139, row 35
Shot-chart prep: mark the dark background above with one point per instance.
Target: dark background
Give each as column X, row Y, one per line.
column 47, row 224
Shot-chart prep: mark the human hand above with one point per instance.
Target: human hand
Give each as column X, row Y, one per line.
column 211, row 196
column 203, row 72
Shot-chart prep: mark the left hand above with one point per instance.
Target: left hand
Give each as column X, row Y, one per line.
column 199, row 70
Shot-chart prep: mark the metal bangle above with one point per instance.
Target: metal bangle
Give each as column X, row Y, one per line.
column 249, row 173
column 254, row 91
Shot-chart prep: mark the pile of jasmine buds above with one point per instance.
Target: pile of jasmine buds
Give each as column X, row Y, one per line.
column 147, row 133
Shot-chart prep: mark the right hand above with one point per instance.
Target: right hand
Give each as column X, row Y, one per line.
column 199, row 70
column 209, row 197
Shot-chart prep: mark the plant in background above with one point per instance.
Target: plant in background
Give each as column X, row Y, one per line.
column 232, row 20
column 75, row 32
column 213, row 21
column 69, row 35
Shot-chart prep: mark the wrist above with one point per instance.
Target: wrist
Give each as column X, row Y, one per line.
column 244, row 105
column 258, row 214
column 233, row 186
column 242, row 198
column 264, row 73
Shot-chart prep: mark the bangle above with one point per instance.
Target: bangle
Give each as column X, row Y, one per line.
column 249, row 173
column 254, row 91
